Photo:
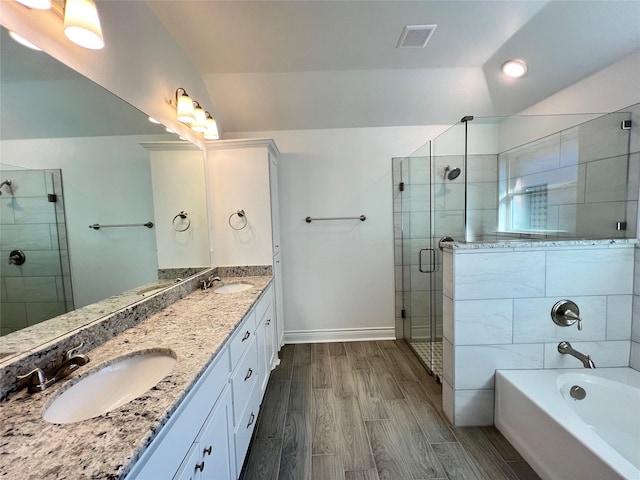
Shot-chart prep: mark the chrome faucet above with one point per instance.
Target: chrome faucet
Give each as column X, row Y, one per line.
column 566, row 348
column 72, row 361
column 37, row 380
column 208, row 283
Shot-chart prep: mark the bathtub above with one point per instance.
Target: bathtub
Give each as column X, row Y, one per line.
column 562, row 438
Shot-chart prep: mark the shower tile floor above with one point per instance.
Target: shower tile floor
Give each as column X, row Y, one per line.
column 431, row 355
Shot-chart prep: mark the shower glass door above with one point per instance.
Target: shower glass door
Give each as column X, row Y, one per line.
column 419, row 258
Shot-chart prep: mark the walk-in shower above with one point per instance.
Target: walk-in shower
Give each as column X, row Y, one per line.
column 36, row 277
column 492, row 179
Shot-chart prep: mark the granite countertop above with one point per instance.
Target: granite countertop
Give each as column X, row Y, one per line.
column 105, row 447
column 537, row 243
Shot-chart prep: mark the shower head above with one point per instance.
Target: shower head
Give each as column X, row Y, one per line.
column 451, row 174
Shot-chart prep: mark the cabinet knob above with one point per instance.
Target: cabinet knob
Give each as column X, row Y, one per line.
column 208, row 450
column 200, row 466
column 268, row 322
column 251, row 419
column 248, row 375
column 246, row 335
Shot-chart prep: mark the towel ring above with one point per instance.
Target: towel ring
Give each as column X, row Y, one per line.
column 240, row 214
column 182, row 215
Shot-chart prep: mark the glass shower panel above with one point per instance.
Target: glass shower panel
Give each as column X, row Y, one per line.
column 554, row 176
column 418, row 265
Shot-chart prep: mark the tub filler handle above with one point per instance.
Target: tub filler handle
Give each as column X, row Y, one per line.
column 565, row 313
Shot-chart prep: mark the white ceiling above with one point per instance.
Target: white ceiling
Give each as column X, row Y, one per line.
column 273, row 65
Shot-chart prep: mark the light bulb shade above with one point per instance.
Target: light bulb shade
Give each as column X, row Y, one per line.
column 514, row 68
column 37, row 4
column 82, row 25
column 185, row 109
column 23, row 41
column 200, row 123
column 212, row 130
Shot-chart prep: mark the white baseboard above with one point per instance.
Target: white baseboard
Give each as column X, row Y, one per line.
column 339, row 335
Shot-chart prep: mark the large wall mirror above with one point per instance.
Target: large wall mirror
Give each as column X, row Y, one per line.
column 70, row 157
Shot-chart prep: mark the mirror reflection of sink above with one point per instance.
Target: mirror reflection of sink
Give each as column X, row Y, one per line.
column 110, row 385
column 233, row 288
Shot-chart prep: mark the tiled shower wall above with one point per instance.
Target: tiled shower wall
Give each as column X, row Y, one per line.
column 497, row 304
column 40, row 288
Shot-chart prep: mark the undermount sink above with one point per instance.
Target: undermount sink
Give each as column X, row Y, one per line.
column 111, row 385
column 233, row 288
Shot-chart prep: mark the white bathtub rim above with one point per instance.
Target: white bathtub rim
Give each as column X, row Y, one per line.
column 544, row 380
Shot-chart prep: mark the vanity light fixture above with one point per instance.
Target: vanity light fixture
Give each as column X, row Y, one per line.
column 200, row 123
column 81, row 21
column 211, row 133
column 23, row 41
column 36, row 4
column 514, row 68
column 185, row 107
column 82, row 24
column 189, row 111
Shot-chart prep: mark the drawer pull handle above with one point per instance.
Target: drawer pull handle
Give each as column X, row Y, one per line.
column 246, row 335
column 200, row 466
column 251, row 419
column 208, row 450
column 268, row 322
column 248, row 375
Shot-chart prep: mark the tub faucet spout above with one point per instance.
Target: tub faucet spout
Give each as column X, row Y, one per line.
column 566, row 348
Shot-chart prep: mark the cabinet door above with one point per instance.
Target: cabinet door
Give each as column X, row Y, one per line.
column 275, row 217
column 214, row 442
column 192, row 466
column 278, row 301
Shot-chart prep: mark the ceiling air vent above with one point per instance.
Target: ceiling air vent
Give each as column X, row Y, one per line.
column 415, row 36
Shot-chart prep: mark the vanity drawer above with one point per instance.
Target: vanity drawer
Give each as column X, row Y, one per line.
column 243, row 379
column 244, row 428
column 242, row 338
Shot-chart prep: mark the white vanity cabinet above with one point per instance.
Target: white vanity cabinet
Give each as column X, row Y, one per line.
column 180, row 444
column 208, row 435
column 267, row 338
column 208, row 457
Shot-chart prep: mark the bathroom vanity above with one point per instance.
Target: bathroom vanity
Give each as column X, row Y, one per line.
column 195, row 423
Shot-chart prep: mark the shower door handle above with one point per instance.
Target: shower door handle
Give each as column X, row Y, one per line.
column 432, row 260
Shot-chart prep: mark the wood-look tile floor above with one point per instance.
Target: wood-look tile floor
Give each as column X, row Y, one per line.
column 367, row 411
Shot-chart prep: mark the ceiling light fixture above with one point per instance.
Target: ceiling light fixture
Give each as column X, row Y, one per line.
column 23, row 41
column 82, row 24
column 36, row 4
column 153, row 120
column 514, row 68
column 190, row 112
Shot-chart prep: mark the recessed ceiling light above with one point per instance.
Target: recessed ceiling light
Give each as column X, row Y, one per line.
column 514, row 68
column 153, row 120
column 23, row 41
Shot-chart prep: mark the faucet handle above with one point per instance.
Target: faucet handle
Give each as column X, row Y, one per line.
column 37, row 380
column 71, row 352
